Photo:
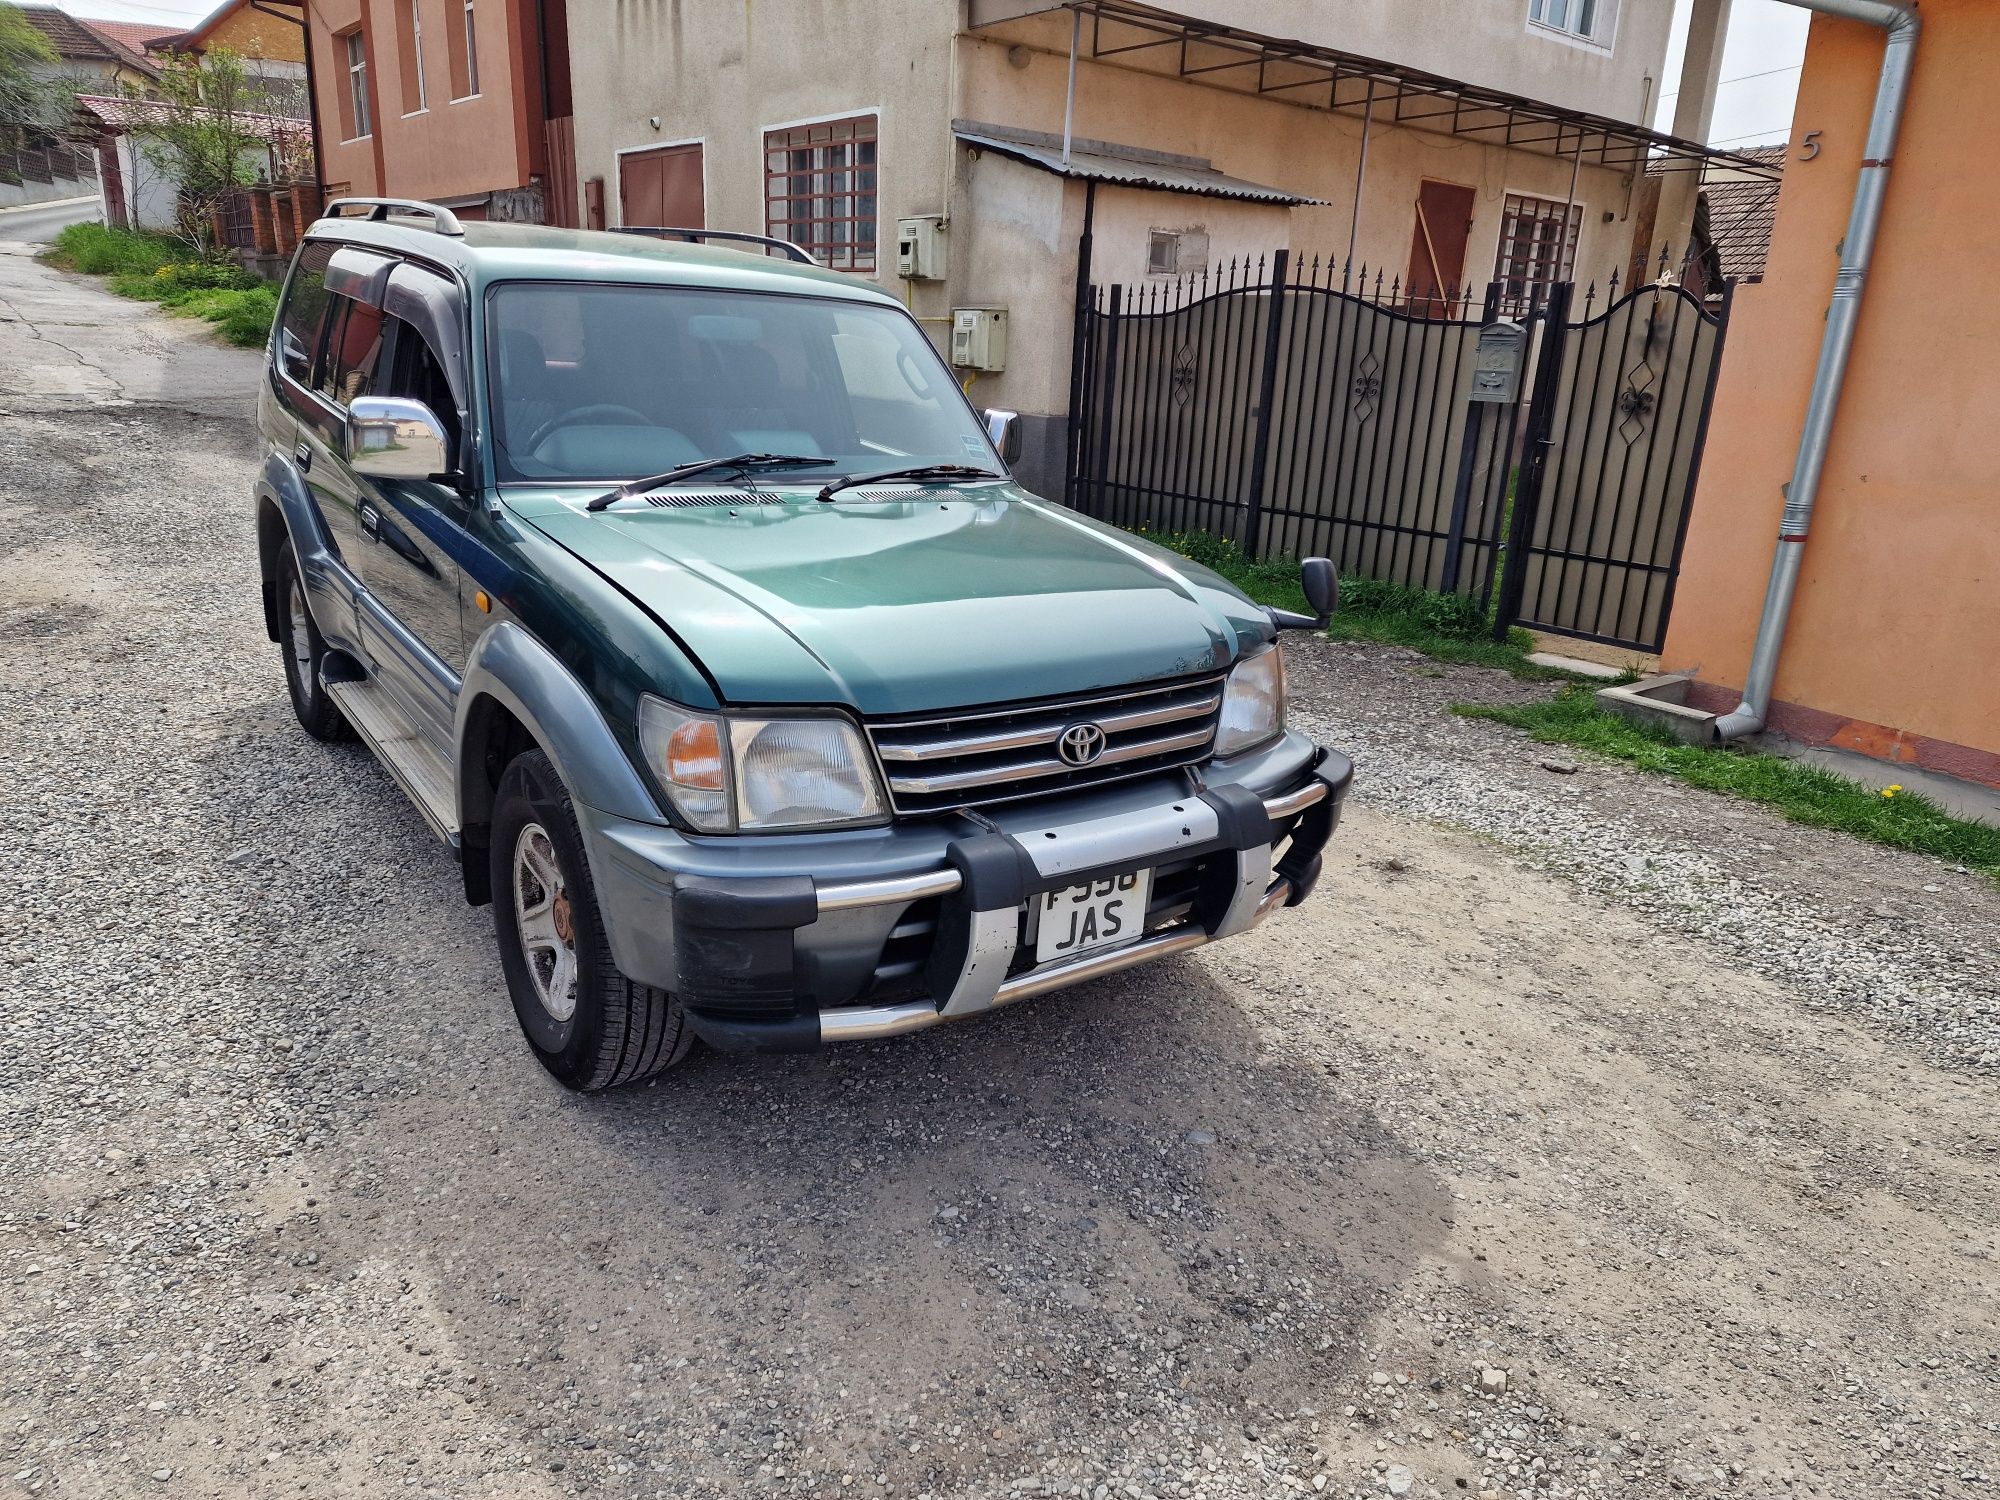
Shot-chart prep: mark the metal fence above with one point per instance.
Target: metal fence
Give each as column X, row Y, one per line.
column 1296, row 408
column 47, row 162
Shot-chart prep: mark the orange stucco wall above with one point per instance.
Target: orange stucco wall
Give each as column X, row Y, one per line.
column 451, row 148
column 1897, row 619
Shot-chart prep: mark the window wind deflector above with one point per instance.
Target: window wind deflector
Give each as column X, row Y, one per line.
column 744, row 461
column 916, row 471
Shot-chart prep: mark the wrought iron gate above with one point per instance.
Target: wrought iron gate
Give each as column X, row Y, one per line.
column 1615, row 433
column 1295, row 410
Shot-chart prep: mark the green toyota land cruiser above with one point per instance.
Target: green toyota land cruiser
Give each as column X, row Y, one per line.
column 689, row 601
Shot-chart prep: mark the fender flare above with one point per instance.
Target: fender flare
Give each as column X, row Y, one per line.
column 508, row 666
column 279, row 486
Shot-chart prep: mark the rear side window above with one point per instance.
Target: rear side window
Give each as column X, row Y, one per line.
column 304, row 317
column 353, row 350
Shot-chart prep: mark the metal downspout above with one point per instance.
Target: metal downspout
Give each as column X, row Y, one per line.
column 1856, row 250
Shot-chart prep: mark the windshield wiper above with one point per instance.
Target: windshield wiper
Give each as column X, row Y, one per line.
column 915, row 471
column 743, row 461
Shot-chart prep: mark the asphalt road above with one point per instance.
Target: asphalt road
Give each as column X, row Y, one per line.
column 1519, row 1162
column 38, row 223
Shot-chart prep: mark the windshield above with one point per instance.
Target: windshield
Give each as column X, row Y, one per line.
column 590, row 382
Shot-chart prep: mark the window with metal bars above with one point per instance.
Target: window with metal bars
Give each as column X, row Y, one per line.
column 1537, row 249
column 819, row 190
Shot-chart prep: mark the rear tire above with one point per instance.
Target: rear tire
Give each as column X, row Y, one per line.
column 591, row 1026
column 305, row 650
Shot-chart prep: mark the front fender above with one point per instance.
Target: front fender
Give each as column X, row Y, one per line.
column 509, row 667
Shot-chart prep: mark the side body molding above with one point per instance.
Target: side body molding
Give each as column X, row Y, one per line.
column 508, row 666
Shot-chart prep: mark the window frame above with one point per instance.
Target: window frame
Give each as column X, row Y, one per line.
column 361, row 113
column 1561, row 211
column 787, row 228
column 410, row 53
column 1598, row 33
column 467, row 56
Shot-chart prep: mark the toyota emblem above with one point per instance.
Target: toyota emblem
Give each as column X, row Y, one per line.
column 1080, row 744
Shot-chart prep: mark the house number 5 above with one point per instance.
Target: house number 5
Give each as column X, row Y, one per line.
column 1809, row 144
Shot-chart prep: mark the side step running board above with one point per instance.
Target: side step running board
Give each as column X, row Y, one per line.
column 418, row 769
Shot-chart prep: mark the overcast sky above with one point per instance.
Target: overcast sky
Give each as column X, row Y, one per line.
column 1760, row 64
column 1760, row 72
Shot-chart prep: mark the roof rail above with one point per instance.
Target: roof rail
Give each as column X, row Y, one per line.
column 696, row 236
column 443, row 220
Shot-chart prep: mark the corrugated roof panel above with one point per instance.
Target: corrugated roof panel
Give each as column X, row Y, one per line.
column 1132, row 172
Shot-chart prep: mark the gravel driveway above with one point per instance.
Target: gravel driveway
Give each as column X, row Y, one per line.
column 1586, row 1135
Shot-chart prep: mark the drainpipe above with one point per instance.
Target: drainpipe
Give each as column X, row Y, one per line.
column 1856, row 250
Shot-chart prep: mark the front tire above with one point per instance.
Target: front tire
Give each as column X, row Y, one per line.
column 591, row 1026
column 305, row 650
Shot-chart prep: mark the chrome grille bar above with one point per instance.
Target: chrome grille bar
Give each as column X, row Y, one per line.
column 944, row 761
column 1047, row 732
column 1024, row 770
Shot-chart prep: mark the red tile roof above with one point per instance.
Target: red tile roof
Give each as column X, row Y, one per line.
column 140, row 36
column 136, row 114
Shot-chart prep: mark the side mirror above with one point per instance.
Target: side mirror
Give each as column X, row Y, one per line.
column 1004, row 427
column 1322, row 586
column 390, row 438
column 1322, row 590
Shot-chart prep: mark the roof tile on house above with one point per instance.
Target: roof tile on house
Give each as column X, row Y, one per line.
column 79, row 41
column 1742, row 213
column 118, row 114
column 140, row 36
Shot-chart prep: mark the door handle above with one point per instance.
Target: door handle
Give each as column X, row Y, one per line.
column 371, row 523
column 304, row 455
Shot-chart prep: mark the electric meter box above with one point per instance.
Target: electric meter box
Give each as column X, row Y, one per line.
column 920, row 248
column 979, row 338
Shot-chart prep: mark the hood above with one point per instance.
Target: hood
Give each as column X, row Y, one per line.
column 963, row 597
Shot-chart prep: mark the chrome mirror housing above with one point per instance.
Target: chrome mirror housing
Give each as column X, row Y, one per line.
column 1004, row 428
column 391, row 438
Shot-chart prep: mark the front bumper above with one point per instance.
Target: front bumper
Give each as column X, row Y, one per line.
column 769, row 961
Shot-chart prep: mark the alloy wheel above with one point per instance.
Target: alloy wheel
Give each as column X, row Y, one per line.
column 545, row 920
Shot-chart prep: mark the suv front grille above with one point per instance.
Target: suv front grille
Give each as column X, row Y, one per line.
column 987, row 755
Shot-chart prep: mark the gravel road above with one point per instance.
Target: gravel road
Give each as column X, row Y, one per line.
column 1586, row 1136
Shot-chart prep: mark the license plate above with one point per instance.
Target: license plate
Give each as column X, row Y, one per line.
column 1081, row 918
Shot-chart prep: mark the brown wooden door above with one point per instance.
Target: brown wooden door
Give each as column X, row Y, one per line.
column 661, row 188
column 1437, row 248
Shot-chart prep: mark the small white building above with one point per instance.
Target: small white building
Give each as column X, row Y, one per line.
column 136, row 192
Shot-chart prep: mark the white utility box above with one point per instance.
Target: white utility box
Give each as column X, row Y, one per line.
column 979, row 338
column 920, row 246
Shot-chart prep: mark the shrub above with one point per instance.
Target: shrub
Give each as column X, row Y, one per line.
column 99, row 251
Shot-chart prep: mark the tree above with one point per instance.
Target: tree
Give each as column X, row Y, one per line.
column 32, row 101
column 204, row 132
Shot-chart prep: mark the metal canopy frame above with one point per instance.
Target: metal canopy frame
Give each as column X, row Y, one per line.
column 1146, row 38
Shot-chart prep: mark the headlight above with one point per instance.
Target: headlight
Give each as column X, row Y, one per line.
column 1253, row 704
column 726, row 774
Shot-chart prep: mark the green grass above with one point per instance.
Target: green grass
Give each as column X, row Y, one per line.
column 1445, row 627
column 1804, row 793
column 154, row 268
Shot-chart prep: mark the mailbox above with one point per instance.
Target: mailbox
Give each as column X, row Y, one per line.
column 1496, row 367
